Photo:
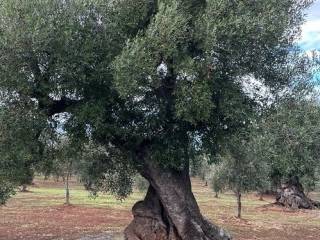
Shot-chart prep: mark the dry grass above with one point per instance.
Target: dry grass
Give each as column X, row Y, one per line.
column 41, row 215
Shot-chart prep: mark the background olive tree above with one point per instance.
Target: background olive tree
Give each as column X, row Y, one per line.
column 241, row 170
column 288, row 141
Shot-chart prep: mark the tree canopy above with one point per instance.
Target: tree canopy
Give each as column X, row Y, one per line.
column 288, row 140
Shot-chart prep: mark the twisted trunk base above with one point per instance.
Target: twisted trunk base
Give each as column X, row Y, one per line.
column 169, row 210
column 292, row 195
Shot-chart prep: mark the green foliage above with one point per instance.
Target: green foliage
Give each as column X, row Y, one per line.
column 141, row 183
column 6, row 191
column 62, row 157
column 201, row 167
column 105, row 170
column 193, row 101
column 20, row 145
column 241, row 170
column 218, row 182
column 143, row 80
column 289, row 140
column 309, row 182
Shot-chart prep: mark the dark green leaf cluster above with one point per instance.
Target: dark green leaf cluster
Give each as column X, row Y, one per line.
column 105, row 170
column 20, row 145
column 241, row 169
column 289, row 140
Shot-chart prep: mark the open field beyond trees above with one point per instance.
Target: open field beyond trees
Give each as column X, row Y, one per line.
column 40, row 215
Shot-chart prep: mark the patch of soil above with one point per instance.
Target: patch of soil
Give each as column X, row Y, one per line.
column 275, row 207
column 104, row 236
column 62, row 222
column 286, row 233
column 21, row 221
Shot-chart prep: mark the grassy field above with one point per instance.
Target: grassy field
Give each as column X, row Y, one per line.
column 41, row 215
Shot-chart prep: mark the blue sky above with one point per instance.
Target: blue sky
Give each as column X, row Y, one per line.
column 310, row 38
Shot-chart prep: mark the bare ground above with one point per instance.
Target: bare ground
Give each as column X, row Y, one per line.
column 41, row 215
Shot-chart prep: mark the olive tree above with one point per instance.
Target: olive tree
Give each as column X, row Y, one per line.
column 241, row 170
column 63, row 159
column 218, row 182
column 289, row 141
column 154, row 83
column 20, row 148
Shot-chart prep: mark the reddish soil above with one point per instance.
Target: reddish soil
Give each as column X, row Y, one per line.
column 64, row 222
column 20, row 221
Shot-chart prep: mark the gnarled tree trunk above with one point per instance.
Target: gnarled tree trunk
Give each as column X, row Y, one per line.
column 292, row 195
column 169, row 210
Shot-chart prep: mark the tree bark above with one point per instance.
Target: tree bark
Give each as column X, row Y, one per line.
column 169, row 210
column 24, row 188
column 261, row 196
column 292, row 195
column 67, row 190
column 239, row 204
